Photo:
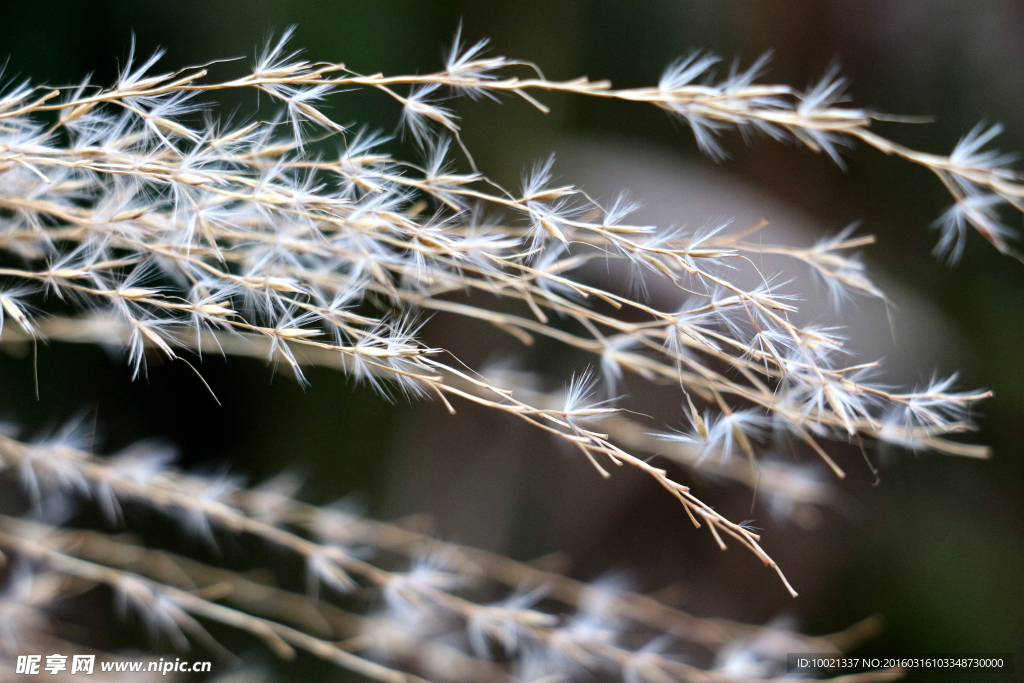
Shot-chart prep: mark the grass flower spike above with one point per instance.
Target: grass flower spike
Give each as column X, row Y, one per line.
column 133, row 216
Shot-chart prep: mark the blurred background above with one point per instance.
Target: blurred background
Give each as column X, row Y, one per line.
column 937, row 547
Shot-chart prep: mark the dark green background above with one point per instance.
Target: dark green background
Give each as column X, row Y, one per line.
column 939, row 549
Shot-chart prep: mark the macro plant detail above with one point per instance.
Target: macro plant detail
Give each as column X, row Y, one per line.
column 131, row 216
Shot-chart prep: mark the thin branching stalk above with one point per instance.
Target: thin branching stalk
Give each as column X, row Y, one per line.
column 131, row 216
